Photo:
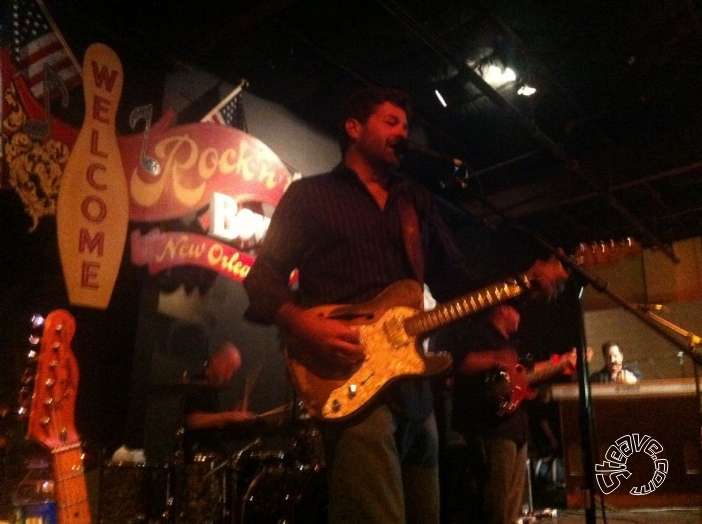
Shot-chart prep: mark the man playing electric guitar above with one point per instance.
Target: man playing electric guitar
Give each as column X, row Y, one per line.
column 351, row 234
column 489, row 387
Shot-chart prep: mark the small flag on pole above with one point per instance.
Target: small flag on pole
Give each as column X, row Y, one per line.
column 229, row 111
column 35, row 41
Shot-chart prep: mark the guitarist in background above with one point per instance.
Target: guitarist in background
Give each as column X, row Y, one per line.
column 485, row 359
column 350, row 234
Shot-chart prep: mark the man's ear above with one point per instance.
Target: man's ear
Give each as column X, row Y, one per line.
column 353, row 128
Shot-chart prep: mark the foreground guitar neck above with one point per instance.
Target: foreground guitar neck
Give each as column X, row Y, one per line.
column 466, row 305
column 71, row 493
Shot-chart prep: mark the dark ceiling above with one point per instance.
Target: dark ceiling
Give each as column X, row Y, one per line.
column 609, row 146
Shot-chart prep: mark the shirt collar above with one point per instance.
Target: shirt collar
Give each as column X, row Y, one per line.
column 396, row 180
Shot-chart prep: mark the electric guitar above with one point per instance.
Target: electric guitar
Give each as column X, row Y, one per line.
column 509, row 383
column 389, row 326
column 51, row 416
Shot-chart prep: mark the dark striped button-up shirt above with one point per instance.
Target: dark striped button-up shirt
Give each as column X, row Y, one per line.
column 346, row 248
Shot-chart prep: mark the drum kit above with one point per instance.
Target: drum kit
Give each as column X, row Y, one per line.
column 261, row 482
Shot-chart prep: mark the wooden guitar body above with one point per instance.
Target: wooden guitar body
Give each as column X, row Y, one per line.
column 333, row 392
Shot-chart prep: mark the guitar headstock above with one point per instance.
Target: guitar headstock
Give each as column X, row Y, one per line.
column 51, row 417
column 589, row 254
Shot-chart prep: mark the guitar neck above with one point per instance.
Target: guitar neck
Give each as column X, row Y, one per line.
column 541, row 375
column 467, row 305
column 71, row 494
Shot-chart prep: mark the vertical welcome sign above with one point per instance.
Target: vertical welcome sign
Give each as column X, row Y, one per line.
column 93, row 203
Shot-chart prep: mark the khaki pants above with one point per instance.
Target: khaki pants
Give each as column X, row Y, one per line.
column 500, row 468
column 383, row 469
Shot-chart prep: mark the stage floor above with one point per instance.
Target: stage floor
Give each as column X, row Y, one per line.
column 686, row 515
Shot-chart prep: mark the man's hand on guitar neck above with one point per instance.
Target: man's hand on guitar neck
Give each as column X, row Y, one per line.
column 548, row 274
column 567, row 362
column 331, row 339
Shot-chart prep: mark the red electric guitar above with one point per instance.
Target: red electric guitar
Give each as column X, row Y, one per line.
column 51, row 417
column 509, row 383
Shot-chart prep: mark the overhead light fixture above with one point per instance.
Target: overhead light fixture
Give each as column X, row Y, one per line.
column 441, row 98
column 497, row 76
column 526, row 90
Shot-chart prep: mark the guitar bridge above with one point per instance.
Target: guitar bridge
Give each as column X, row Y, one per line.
column 395, row 332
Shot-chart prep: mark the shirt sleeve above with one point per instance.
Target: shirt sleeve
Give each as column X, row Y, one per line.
column 268, row 281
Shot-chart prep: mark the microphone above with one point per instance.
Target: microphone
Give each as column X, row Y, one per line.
column 652, row 307
column 406, row 146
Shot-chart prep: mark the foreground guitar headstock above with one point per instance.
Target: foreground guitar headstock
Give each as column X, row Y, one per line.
column 51, row 417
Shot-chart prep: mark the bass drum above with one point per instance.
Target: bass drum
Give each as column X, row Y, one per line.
column 286, row 494
column 200, row 494
column 131, row 493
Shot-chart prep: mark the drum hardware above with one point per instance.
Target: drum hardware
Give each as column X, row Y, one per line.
column 263, row 481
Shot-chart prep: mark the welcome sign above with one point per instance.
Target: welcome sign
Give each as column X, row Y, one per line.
column 93, row 205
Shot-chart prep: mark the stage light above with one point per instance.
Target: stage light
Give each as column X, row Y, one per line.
column 526, row 90
column 441, row 98
column 497, row 76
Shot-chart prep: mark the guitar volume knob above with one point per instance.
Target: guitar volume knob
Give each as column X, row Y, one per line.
column 336, row 405
column 353, row 389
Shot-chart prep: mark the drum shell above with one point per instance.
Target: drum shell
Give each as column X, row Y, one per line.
column 201, row 490
column 131, row 493
column 291, row 494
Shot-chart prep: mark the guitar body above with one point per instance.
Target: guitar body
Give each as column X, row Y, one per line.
column 332, row 392
column 507, row 387
column 510, row 383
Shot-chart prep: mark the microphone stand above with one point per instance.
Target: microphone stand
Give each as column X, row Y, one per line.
column 585, row 277
column 693, row 342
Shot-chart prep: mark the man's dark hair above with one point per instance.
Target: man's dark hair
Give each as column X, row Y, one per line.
column 609, row 344
column 361, row 105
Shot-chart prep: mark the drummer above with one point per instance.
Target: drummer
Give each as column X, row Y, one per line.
column 203, row 417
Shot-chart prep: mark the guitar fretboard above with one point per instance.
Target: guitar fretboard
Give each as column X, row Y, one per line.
column 71, row 494
column 466, row 305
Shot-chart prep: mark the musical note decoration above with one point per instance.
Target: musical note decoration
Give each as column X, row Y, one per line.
column 145, row 113
column 40, row 129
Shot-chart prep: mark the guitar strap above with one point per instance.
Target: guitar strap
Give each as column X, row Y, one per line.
column 412, row 234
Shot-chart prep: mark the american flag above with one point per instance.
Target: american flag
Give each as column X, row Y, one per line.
column 231, row 113
column 36, row 41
